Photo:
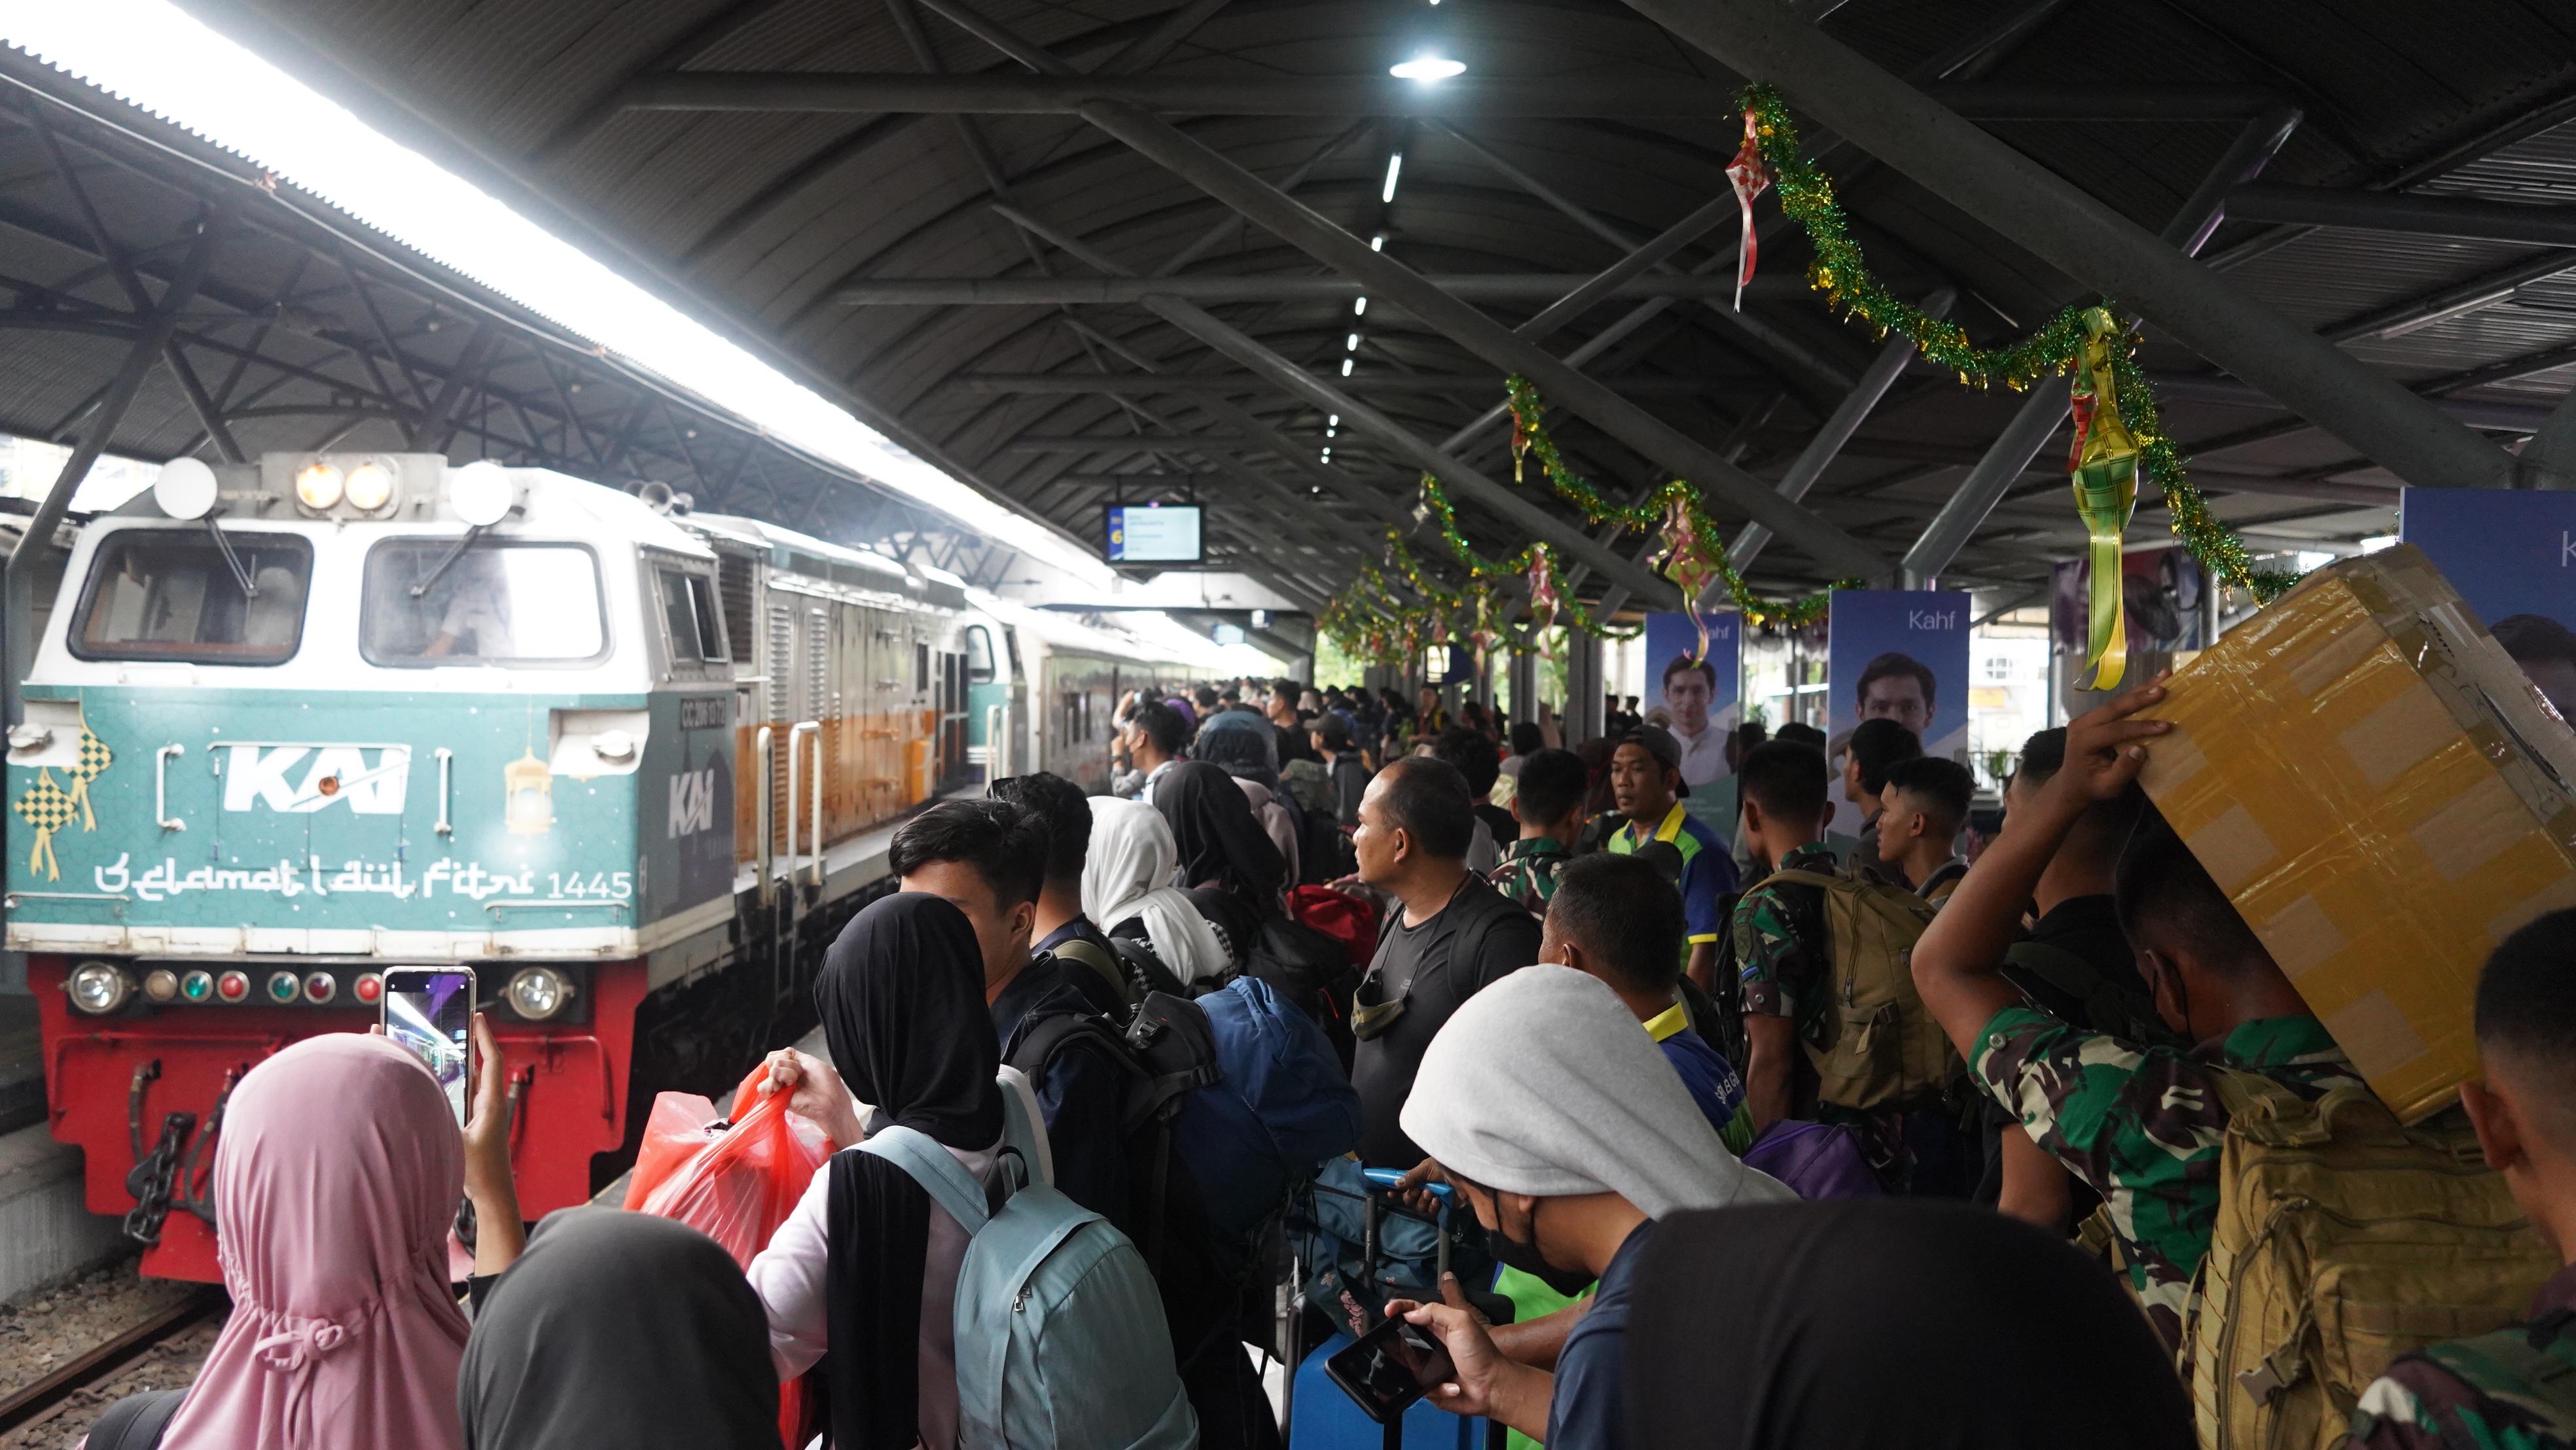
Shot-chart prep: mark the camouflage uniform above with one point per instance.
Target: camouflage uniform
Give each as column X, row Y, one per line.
column 2142, row 1126
column 1527, row 872
column 1786, row 957
column 2465, row 1393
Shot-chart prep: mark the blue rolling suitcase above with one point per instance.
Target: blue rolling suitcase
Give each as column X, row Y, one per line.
column 1322, row 1417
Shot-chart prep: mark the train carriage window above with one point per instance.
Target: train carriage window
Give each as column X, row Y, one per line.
column 979, row 654
column 920, row 667
column 169, row 594
column 689, row 612
column 498, row 603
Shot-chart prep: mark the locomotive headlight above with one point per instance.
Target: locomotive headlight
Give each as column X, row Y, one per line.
column 482, row 493
column 537, row 993
column 185, row 489
column 98, row 988
column 370, row 487
column 318, row 486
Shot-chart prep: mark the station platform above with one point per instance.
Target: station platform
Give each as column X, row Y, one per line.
column 46, row 1233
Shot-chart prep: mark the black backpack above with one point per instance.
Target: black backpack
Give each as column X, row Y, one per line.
column 2108, row 1006
column 1718, row 1012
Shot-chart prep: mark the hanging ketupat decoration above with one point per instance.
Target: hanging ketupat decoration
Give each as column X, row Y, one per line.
column 2104, row 469
column 1750, row 178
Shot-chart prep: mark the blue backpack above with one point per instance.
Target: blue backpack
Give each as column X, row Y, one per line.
column 1061, row 1343
column 1236, row 1087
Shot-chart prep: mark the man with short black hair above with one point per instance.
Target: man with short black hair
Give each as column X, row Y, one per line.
column 1869, row 752
column 1155, row 736
column 1690, row 687
column 1291, row 731
column 988, row 858
column 1921, row 809
column 1799, row 732
column 1448, row 936
column 1548, row 808
column 1781, row 946
column 1061, row 929
column 1466, row 747
column 2516, row 1387
column 1646, row 782
column 2075, row 964
column 1616, row 918
column 2140, row 1124
column 1897, row 687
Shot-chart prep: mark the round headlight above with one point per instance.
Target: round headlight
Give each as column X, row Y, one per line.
column 185, row 489
column 370, row 487
column 537, row 993
column 284, row 987
column 161, row 984
column 98, row 988
column 197, row 986
column 481, row 493
column 317, row 486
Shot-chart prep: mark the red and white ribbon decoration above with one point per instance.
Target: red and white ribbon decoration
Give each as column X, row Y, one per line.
column 1750, row 178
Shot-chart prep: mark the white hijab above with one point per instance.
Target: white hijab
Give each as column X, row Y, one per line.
column 1544, row 1084
column 1129, row 874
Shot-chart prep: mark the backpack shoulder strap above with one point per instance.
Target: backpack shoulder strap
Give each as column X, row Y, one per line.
column 2067, row 971
column 2537, row 1356
column 1083, row 953
column 931, row 1166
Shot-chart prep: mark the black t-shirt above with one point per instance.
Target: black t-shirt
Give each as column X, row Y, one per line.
column 1505, row 826
column 1295, row 743
column 1480, row 937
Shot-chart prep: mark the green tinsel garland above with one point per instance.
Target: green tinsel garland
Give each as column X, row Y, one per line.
column 1369, row 611
column 1842, row 273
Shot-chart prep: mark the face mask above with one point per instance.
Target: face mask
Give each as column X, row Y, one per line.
column 1523, row 1254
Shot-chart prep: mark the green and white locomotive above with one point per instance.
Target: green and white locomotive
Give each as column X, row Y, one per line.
column 293, row 722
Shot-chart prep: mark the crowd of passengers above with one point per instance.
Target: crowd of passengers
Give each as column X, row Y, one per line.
column 1583, row 1010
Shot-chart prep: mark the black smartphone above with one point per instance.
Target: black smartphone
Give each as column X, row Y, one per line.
column 1390, row 1367
column 429, row 1011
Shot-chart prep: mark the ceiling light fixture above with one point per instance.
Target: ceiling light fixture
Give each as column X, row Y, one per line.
column 1427, row 68
column 1360, row 308
column 1346, row 367
column 1394, row 168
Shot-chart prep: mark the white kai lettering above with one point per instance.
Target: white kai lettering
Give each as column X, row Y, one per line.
column 693, row 802
column 1931, row 619
column 2566, row 547
column 258, row 775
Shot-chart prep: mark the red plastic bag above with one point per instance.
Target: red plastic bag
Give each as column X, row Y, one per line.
column 1337, row 914
column 735, row 1181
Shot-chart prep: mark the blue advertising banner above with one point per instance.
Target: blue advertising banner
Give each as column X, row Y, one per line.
column 2512, row 555
column 1701, row 701
column 1902, row 655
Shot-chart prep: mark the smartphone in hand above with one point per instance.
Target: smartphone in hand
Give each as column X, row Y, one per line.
column 429, row 1012
column 1390, row 1367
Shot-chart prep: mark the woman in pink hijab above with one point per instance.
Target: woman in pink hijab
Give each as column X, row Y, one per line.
column 335, row 1181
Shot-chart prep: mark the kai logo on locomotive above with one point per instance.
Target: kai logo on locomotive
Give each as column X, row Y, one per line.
column 302, row 779
column 693, row 802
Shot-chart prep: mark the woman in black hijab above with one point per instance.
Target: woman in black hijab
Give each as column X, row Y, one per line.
column 1221, row 842
column 622, row 1329
column 865, row 1270
column 1867, row 1323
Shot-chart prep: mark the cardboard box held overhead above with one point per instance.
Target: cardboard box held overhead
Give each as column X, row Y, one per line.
column 2385, row 797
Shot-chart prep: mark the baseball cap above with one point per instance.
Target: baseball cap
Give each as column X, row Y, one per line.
column 1659, row 743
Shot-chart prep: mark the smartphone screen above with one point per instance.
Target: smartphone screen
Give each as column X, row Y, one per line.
column 430, row 1013
column 1390, row 1367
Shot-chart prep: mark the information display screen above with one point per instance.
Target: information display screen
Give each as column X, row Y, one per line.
column 1153, row 533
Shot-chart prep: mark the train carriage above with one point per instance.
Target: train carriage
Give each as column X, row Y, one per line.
column 634, row 767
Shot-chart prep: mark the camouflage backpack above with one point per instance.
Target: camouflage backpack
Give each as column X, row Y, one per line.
column 2343, row 1239
column 1886, row 1048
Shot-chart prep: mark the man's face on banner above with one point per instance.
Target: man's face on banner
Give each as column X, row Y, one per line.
column 1687, row 694
column 1898, row 698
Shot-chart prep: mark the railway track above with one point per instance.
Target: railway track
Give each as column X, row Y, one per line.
column 42, row 1399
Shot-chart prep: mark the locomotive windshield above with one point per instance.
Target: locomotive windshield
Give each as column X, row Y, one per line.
column 167, row 594
column 498, row 603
